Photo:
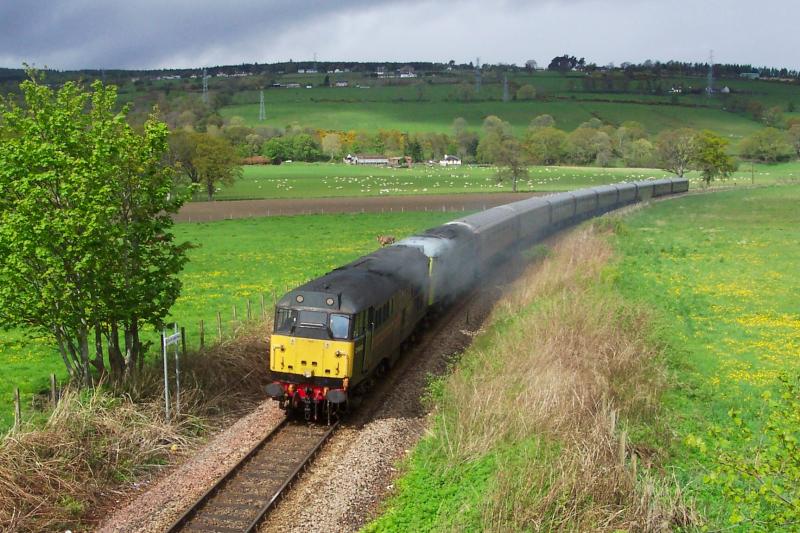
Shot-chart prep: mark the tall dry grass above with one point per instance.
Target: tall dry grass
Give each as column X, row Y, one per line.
column 569, row 366
column 96, row 443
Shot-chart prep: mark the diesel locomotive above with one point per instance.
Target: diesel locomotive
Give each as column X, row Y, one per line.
column 333, row 334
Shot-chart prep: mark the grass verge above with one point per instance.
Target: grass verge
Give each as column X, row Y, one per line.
column 541, row 423
column 95, row 443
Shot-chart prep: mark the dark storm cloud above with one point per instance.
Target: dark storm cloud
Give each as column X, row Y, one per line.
column 151, row 33
column 148, row 33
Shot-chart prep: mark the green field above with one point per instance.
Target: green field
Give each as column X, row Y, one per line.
column 315, row 180
column 418, row 117
column 429, row 105
column 723, row 269
column 233, row 261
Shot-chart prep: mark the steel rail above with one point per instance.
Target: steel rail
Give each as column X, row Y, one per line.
column 195, row 510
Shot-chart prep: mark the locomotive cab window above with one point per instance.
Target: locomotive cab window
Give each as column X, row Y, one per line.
column 285, row 320
column 340, row 326
column 313, row 319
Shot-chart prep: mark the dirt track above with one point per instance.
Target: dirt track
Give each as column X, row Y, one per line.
column 208, row 211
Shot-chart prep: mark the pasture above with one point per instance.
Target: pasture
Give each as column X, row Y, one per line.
column 722, row 268
column 317, row 180
column 438, row 116
column 233, row 261
column 430, row 104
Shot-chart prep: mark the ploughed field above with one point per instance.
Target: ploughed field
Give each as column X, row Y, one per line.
column 232, row 261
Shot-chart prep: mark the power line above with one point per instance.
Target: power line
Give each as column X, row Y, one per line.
column 478, row 75
column 205, row 86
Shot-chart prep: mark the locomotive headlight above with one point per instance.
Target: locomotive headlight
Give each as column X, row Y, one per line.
column 299, row 298
column 329, row 301
column 307, row 373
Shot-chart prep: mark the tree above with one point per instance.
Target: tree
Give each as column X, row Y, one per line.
column 510, row 158
column 526, row 92
column 675, row 150
column 794, row 138
column 85, row 205
column 466, row 141
column 639, row 153
column 546, row 145
column 543, row 121
column 710, row 156
column 217, row 163
column 773, row 117
column 768, row 145
column 495, row 133
column 565, row 63
column 332, row 145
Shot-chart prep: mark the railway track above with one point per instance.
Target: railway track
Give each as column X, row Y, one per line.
column 251, row 488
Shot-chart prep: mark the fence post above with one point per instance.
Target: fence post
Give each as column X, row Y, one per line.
column 219, row 326
column 183, row 339
column 234, row 312
column 249, row 311
column 202, row 334
column 17, row 409
column 263, row 315
column 53, row 396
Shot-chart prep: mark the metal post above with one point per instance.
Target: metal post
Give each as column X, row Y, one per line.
column 249, row 311
column 178, row 373
column 166, row 376
column 219, row 326
column 17, row 409
column 202, row 334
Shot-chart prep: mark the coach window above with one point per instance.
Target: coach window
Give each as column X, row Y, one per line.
column 340, row 326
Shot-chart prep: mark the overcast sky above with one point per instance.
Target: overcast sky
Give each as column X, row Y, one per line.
column 70, row 34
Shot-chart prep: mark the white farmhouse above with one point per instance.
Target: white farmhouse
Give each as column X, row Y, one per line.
column 450, row 161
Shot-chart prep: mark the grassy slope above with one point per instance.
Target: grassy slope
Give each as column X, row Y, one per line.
column 311, row 180
column 234, row 260
column 723, row 267
column 438, row 116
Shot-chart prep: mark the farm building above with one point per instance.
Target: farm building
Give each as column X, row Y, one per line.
column 450, row 160
column 365, row 159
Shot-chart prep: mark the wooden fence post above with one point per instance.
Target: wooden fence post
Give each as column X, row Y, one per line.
column 219, row 326
column 183, row 340
column 17, row 409
column 202, row 334
column 53, row 394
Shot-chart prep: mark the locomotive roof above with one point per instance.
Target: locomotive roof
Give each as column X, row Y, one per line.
column 366, row 282
column 436, row 241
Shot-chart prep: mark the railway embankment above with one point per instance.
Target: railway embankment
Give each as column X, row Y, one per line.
column 543, row 422
column 100, row 449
